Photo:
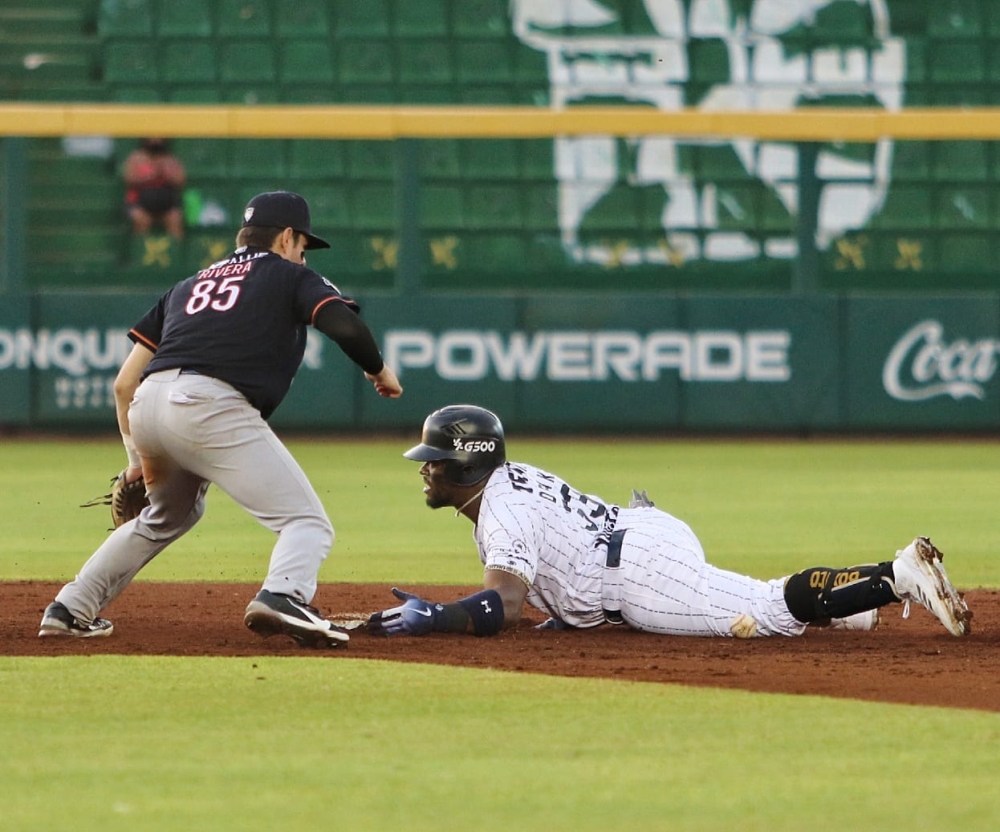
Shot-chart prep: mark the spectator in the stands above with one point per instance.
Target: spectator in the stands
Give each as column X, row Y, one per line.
column 154, row 183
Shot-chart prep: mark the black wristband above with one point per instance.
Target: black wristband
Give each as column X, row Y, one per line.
column 450, row 618
column 486, row 611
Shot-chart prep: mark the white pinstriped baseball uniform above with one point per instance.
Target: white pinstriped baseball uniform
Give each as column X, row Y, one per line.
column 534, row 525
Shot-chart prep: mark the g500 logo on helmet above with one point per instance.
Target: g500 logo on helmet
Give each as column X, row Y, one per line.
column 475, row 446
column 719, row 198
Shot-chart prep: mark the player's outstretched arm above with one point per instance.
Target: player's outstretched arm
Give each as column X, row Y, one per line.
column 512, row 592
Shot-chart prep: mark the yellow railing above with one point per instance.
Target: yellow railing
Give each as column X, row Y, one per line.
column 391, row 122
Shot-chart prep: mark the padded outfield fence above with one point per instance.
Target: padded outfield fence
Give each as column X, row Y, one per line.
column 682, row 208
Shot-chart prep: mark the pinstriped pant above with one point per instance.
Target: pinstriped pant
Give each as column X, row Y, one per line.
column 667, row 587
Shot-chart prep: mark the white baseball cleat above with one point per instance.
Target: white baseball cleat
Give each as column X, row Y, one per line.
column 920, row 577
column 867, row 620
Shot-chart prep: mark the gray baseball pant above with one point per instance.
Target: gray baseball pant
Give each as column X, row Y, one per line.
column 193, row 430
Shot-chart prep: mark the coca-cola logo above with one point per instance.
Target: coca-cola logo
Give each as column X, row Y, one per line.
column 922, row 365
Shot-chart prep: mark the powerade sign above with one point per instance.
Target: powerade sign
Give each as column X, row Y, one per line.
column 575, row 363
column 473, row 355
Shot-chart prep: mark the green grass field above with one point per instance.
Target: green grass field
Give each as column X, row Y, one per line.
column 148, row 743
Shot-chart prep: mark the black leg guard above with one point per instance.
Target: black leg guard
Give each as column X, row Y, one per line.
column 822, row 593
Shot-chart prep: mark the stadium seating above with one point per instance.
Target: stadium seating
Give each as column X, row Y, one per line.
column 497, row 202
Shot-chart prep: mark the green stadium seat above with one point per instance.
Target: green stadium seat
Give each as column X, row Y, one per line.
column 501, row 252
column 993, row 62
column 367, row 62
column 957, row 62
column 302, row 19
column 312, row 93
column 130, row 62
column 243, row 18
column 203, row 158
column 155, row 252
column 959, row 95
column 350, row 252
column 737, row 206
column 204, row 246
column 368, row 94
column 993, row 151
column 445, row 252
column 774, row 216
column 487, row 96
column 137, row 95
column 306, row 62
column 708, row 61
column 239, row 93
column 368, row 19
column 441, row 207
column 124, row 18
column 371, row 159
column 247, row 61
column 964, row 161
column 894, row 251
column 480, row 18
column 222, row 204
column 544, row 253
column 184, row 18
column 188, row 61
column 424, row 62
column 911, row 161
column 328, row 206
column 966, row 252
column 439, row 158
column 484, row 61
column 531, row 67
column 714, row 162
column 493, row 207
column 372, row 206
column 420, row 19
column 617, row 211
column 257, row 158
column 955, row 18
column 917, row 71
column 199, row 94
column 425, row 94
column 536, row 158
column 963, row 207
column 905, row 207
column 844, row 24
column 489, row 159
column 315, row 159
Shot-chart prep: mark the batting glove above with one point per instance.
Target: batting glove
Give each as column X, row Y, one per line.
column 415, row 617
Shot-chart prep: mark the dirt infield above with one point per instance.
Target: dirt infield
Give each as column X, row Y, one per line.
column 911, row 661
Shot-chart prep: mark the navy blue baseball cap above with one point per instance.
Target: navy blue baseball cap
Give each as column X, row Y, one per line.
column 282, row 209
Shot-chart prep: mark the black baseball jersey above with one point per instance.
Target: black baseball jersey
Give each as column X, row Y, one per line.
column 241, row 320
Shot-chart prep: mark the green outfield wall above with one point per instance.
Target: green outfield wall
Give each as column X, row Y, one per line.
column 642, row 364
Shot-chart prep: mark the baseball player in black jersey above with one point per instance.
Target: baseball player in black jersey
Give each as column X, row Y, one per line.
column 210, row 363
column 587, row 562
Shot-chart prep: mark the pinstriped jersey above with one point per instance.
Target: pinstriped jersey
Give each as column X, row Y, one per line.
column 242, row 320
column 534, row 525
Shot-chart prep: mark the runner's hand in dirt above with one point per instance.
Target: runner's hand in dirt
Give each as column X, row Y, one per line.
column 415, row 617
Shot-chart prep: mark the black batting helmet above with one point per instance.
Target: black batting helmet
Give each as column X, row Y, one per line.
column 468, row 437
